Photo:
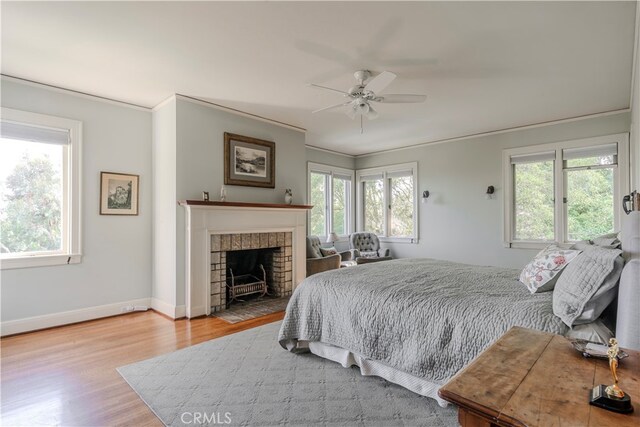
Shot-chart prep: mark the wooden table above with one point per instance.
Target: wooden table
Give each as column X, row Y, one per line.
column 532, row 378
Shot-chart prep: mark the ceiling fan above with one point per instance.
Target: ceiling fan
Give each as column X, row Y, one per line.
column 366, row 92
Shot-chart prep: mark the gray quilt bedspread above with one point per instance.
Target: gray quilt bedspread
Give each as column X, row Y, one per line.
column 426, row 317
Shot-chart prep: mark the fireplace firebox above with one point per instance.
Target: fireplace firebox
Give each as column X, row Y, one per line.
column 250, row 264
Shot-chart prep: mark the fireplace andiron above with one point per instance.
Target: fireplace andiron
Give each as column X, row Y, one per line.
column 246, row 284
column 611, row 397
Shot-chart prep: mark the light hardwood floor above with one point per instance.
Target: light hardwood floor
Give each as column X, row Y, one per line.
column 67, row 375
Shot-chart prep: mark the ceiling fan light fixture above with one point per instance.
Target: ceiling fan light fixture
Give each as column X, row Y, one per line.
column 363, row 108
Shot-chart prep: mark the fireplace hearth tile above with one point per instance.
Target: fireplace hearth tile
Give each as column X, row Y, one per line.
column 215, row 242
column 225, row 242
column 246, row 241
column 236, row 242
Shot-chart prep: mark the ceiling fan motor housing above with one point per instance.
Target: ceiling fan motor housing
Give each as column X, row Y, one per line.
column 362, row 75
column 356, row 91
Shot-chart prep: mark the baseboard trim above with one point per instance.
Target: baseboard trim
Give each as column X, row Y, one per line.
column 171, row 311
column 29, row 324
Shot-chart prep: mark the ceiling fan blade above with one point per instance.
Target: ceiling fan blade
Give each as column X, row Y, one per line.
column 400, row 98
column 379, row 82
column 327, row 88
column 332, row 107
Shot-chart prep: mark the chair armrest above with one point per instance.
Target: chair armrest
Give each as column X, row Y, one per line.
column 355, row 253
column 346, row 256
column 318, row 265
column 384, row 252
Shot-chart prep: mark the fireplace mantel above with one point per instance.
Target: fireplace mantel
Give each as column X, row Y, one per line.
column 203, row 219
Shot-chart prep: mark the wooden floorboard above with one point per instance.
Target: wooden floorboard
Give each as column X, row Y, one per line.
column 67, row 376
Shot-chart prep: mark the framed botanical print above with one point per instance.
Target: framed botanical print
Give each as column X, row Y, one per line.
column 249, row 161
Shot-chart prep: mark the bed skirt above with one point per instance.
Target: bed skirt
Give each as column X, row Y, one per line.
column 375, row 368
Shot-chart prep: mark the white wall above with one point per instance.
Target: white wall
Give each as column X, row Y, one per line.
column 116, row 263
column 459, row 223
column 163, row 159
column 332, row 159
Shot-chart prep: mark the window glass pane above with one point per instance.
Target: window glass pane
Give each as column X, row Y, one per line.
column 31, row 196
column 401, row 206
column 318, row 200
column 592, row 161
column 341, row 202
column 534, row 205
column 373, row 206
column 590, row 209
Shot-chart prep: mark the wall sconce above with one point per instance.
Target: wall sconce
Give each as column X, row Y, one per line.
column 490, row 190
column 425, row 196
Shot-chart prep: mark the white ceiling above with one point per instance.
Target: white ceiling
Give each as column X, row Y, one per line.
column 485, row 66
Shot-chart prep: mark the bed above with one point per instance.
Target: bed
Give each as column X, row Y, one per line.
column 414, row 322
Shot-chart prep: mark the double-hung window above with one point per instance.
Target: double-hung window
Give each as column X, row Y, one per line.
column 387, row 201
column 564, row 192
column 39, row 190
column 330, row 193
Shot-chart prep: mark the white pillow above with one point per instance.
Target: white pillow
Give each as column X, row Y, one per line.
column 541, row 274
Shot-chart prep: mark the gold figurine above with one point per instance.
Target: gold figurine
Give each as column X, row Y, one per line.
column 613, row 390
column 611, row 398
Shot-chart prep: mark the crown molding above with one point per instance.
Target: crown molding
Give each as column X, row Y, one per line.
column 74, row 92
column 238, row 112
column 501, row 131
column 326, row 150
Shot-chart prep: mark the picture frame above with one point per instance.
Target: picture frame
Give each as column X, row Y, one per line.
column 250, row 162
column 119, row 193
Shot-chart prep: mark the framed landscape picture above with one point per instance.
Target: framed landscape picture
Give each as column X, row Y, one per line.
column 249, row 161
column 118, row 194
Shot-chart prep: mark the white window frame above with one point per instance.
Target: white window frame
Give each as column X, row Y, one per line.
column 330, row 171
column 385, row 171
column 621, row 186
column 71, row 252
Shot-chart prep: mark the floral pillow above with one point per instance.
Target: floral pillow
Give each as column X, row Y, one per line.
column 541, row 274
column 328, row 251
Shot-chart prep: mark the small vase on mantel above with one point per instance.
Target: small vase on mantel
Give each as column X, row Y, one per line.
column 223, row 194
column 288, row 197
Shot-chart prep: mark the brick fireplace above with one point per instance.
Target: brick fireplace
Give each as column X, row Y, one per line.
column 212, row 226
column 278, row 263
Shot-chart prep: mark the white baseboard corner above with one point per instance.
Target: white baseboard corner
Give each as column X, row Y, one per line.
column 28, row 324
column 171, row 311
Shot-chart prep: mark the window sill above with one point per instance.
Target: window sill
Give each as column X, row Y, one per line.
column 413, row 240
column 528, row 245
column 39, row 261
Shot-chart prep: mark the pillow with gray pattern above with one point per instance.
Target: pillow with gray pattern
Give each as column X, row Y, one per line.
column 594, row 274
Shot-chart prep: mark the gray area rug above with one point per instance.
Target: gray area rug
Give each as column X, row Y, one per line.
column 248, row 379
column 256, row 307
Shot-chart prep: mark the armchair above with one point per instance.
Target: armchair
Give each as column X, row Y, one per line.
column 367, row 245
column 317, row 262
